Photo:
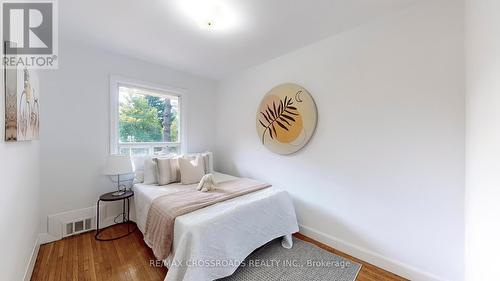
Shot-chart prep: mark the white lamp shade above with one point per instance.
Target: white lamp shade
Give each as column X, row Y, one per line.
column 118, row 165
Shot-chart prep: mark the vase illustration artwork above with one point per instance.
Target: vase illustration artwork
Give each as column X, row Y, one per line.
column 286, row 118
column 22, row 117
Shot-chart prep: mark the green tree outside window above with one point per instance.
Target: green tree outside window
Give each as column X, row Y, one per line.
column 147, row 119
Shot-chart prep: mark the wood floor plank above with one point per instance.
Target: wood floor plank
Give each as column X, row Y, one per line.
column 82, row 258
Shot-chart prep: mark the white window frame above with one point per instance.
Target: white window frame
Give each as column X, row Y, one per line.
column 115, row 82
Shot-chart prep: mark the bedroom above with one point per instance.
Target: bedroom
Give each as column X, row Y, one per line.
column 394, row 176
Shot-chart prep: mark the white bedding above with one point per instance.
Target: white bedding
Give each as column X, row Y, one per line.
column 210, row 242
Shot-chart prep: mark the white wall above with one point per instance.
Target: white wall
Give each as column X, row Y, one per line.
column 19, row 201
column 383, row 177
column 75, row 116
column 483, row 139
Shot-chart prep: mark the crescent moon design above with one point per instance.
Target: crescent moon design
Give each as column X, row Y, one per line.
column 297, row 96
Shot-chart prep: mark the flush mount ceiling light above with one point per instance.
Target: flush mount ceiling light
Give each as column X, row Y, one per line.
column 209, row 14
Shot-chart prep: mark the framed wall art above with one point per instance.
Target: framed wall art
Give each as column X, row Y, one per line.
column 22, row 107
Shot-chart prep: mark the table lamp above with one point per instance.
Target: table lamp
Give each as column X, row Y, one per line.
column 117, row 165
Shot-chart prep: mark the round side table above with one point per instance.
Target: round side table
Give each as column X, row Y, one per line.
column 109, row 197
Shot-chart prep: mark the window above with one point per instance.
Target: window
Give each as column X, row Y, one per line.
column 145, row 120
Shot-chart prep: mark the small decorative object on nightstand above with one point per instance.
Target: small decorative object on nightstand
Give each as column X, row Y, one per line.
column 109, row 197
column 119, row 165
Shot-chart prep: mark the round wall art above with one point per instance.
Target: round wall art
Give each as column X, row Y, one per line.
column 286, row 118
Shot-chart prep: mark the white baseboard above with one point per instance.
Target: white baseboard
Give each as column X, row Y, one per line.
column 399, row 268
column 31, row 264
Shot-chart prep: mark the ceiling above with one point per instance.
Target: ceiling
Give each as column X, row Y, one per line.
column 161, row 31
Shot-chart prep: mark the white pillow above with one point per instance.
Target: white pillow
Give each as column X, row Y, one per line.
column 192, row 170
column 176, row 171
column 166, row 172
column 139, row 176
column 138, row 162
column 208, row 159
column 150, row 171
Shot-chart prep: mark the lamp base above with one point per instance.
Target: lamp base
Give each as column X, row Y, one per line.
column 118, row 193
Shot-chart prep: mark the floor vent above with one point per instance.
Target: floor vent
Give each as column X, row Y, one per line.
column 77, row 226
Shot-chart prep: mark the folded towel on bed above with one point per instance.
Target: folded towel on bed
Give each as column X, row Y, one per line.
column 159, row 232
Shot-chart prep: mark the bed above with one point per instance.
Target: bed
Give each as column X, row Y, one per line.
column 210, row 243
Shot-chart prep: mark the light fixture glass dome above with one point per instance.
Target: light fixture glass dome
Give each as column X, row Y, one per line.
column 209, row 14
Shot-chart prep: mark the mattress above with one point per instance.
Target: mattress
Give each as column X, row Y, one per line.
column 211, row 242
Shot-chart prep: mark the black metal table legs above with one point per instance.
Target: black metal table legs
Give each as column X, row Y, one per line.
column 125, row 219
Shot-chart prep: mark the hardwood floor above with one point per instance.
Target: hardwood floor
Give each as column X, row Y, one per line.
column 81, row 257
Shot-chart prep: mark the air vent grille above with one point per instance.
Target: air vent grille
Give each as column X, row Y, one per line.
column 69, row 228
column 88, row 223
column 77, row 226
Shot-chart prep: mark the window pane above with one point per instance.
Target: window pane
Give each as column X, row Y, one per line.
column 165, row 149
column 172, row 149
column 140, row 151
column 147, row 116
column 124, row 151
column 158, row 149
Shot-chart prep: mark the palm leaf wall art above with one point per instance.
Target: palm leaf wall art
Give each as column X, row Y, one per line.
column 281, row 115
column 286, row 118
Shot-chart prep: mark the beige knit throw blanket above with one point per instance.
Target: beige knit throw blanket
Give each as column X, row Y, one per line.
column 159, row 233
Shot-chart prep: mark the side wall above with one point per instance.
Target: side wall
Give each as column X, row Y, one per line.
column 19, row 201
column 75, row 114
column 383, row 177
column 483, row 140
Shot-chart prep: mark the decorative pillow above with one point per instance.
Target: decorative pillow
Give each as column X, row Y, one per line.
column 166, row 171
column 138, row 162
column 150, row 171
column 176, row 170
column 139, row 176
column 208, row 159
column 192, row 170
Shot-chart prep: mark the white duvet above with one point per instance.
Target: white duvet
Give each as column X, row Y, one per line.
column 211, row 242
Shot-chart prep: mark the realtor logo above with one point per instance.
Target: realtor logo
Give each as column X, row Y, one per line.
column 29, row 34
